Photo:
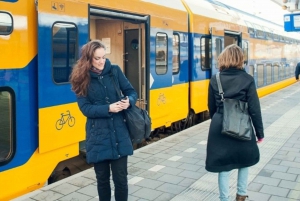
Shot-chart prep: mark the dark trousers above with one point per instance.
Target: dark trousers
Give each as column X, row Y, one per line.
column 119, row 175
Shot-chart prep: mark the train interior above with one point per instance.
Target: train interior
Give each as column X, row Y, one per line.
column 124, row 36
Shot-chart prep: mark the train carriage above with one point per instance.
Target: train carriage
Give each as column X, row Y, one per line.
column 167, row 49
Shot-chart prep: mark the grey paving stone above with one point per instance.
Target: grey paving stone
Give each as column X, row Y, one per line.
column 171, row 179
column 293, row 154
column 81, row 181
column 188, row 154
column 294, row 170
column 201, row 162
column 133, row 159
column 290, row 164
column 133, row 188
column 190, row 167
column 285, row 176
column 144, row 165
column 154, row 160
column 76, row 197
column 276, row 198
column 272, row 190
column 188, row 160
column 265, row 173
column 150, row 174
column 267, row 180
column 297, row 159
column 288, row 144
column 164, row 156
column 165, row 197
column 254, row 187
column 149, row 183
column 134, row 170
column 171, row 151
column 47, row 196
column 142, row 155
column 191, row 174
column 256, row 196
column 130, row 198
column 169, row 163
column 298, row 179
column 280, row 168
column 187, row 182
column 290, row 185
column 170, row 170
column 171, row 188
column 65, row 188
column 90, row 175
column 89, row 190
column 274, row 161
column 294, row 195
column 290, row 149
column 282, row 157
column 147, row 193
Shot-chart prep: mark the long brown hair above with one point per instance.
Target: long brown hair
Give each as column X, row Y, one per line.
column 80, row 76
column 231, row 56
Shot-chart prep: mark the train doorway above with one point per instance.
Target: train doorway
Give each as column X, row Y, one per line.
column 124, row 36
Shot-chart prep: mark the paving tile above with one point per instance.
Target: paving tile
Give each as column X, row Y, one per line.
column 290, row 164
column 48, row 196
column 171, row 170
column 171, row 179
column 256, row 196
column 149, row 183
column 76, row 197
column 171, row 188
column 168, row 163
column 133, row 188
column 272, row 190
column 275, row 161
column 187, row 182
column 144, row 165
column 294, row 195
column 147, row 193
column 255, row 187
column 65, row 188
column 150, row 174
column 89, row 190
column 289, row 184
column 81, row 181
column 267, row 180
column 154, row 160
column 280, row 168
column 265, row 173
column 190, row 167
column 285, row 176
column 276, row 198
column 165, row 197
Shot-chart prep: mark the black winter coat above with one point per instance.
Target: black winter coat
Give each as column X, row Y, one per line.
column 225, row 153
column 107, row 137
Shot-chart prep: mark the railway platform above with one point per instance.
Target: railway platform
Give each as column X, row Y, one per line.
column 174, row 168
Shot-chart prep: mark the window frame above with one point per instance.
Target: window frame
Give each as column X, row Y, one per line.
column 12, row 24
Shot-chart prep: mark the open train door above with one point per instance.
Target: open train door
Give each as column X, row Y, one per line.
column 62, row 30
column 217, row 42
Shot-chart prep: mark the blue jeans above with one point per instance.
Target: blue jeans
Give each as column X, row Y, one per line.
column 242, row 183
column 119, row 175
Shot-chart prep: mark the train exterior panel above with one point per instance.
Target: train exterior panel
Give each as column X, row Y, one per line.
column 167, row 49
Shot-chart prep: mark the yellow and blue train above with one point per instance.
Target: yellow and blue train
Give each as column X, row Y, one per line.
column 167, row 49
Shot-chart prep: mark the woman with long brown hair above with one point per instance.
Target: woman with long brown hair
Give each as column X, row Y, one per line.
column 107, row 138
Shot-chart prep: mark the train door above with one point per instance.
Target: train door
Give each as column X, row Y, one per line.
column 217, row 41
column 62, row 31
column 124, row 36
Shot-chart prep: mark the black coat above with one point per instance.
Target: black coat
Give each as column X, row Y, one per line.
column 225, row 153
column 297, row 71
column 107, row 137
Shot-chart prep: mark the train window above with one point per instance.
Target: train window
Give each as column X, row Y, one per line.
column 64, row 52
column 275, row 72
column 176, row 50
column 251, row 70
column 275, row 37
column 218, row 50
column 269, row 73
column 245, row 51
column 6, row 124
column 260, row 75
column 250, row 30
column 6, row 23
column 161, row 53
column 269, row 35
column 205, row 51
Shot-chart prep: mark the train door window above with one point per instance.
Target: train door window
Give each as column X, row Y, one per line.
column 6, row 124
column 230, row 39
column 269, row 73
column 218, row 50
column 6, row 23
column 64, row 52
column 251, row 70
column 161, row 53
column 205, row 51
column 245, row 51
column 176, row 50
column 276, row 72
column 260, row 75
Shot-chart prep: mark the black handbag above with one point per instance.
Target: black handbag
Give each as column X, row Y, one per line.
column 137, row 120
column 236, row 120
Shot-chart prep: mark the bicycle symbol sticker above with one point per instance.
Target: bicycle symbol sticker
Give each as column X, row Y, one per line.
column 64, row 119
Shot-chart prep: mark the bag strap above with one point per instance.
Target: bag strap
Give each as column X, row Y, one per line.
column 220, row 86
column 115, row 84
